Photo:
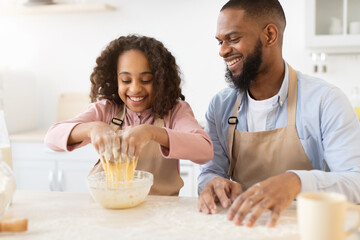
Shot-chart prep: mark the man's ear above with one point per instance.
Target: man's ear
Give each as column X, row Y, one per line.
column 270, row 35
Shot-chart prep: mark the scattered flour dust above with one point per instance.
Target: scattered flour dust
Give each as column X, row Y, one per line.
column 175, row 218
column 188, row 223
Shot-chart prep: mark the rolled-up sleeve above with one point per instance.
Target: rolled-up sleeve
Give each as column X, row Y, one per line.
column 187, row 140
column 340, row 136
column 220, row 163
column 58, row 134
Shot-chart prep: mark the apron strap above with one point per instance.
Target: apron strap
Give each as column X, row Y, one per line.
column 232, row 121
column 292, row 97
column 159, row 122
column 118, row 120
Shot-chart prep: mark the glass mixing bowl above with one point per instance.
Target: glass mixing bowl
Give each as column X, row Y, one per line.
column 117, row 195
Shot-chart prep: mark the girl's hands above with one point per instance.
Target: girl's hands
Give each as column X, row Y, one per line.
column 105, row 140
column 134, row 139
column 130, row 141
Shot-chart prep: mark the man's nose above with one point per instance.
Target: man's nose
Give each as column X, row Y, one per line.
column 225, row 49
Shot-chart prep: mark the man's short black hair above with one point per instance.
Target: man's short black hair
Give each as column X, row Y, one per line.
column 260, row 9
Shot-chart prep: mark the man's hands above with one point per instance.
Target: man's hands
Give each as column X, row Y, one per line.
column 275, row 193
column 218, row 190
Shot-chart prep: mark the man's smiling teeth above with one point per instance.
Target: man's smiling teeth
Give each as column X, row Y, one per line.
column 232, row 62
column 136, row 99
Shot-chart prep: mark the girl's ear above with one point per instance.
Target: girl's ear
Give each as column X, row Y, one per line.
column 270, row 35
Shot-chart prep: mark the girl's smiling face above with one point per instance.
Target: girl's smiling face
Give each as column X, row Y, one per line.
column 135, row 80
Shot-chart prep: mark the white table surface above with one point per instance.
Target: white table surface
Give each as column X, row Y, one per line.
column 61, row 215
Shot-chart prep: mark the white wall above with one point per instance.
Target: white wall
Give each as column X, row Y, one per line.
column 60, row 50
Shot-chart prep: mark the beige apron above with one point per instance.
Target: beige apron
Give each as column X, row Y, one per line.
column 256, row 156
column 167, row 180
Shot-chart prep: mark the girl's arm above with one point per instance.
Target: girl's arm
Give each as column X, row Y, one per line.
column 181, row 138
column 187, row 140
column 100, row 134
column 74, row 133
column 83, row 131
column 80, row 133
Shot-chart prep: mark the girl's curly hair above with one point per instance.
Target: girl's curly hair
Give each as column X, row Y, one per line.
column 166, row 73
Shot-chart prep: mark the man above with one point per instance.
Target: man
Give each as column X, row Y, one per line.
column 276, row 132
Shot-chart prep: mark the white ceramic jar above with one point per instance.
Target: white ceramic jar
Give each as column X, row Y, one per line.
column 335, row 26
column 354, row 27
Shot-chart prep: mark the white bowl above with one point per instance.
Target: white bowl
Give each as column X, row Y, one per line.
column 116, row 195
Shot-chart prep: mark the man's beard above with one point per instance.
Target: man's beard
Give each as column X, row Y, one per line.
column 250, row 69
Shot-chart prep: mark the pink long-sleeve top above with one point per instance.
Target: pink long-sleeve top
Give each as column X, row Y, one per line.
column 187, row 140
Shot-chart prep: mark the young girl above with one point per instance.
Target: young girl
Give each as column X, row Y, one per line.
column 136, row 83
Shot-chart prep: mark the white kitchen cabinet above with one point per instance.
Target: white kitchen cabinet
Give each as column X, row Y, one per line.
column 71, row 175
column 332, row 25
column 33, row 174
column 189, row 173
column 39, row 168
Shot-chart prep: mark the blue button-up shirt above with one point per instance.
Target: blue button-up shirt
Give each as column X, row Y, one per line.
column 326, row 123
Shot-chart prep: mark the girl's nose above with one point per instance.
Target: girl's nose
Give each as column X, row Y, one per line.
column 135, row 87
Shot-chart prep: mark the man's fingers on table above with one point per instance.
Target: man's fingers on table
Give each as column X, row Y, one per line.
column 275, row 214
column 219, row 190
column 243, row 204
column 237, row 203
column 258, row 209
column 243, row 210
column 208, row 199
column 235, row 191
column 235, row 206
column 202, row 206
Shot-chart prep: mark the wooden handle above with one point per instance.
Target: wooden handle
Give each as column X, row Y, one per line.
column 15, row 225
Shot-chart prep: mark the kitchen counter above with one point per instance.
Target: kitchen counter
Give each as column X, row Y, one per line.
column 35, row 135
column 63, row 215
